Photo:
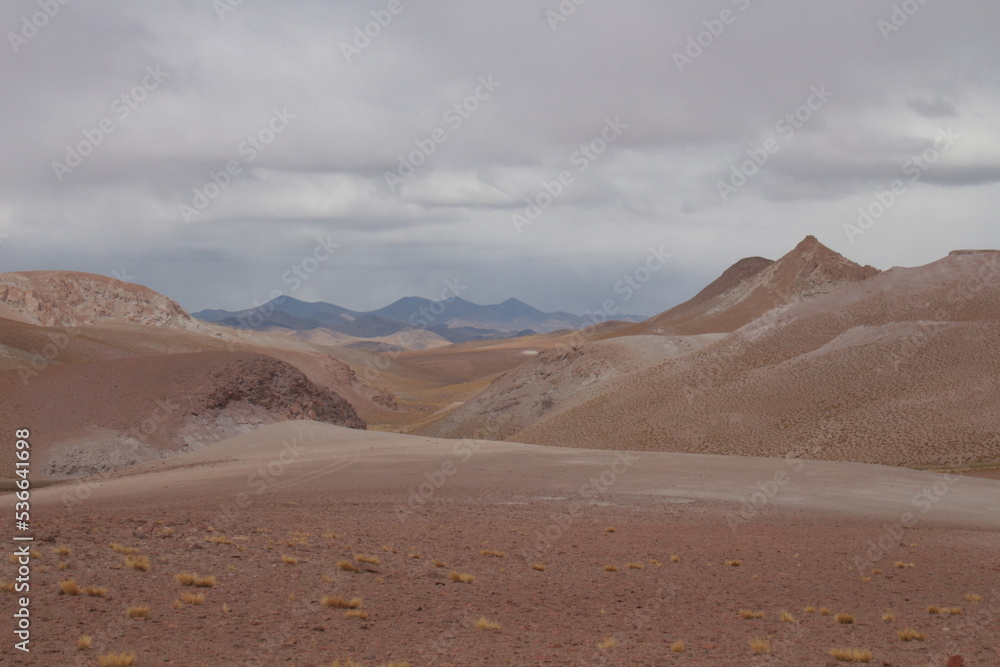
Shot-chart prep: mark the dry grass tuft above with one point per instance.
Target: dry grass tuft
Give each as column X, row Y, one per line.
column 760, row 646
column 116, row 659
column 7, row 586
column 340, row 603
column 347, row 566
column 289, row 560
column 888, row 617
column 494, row 554
column 95, row 592
column 192, row 598
column 809, row 610
column 361, row 558
column 63, row 566
column 122, row 549
column 140, row 563
column 70, row 587
column 84, row 642
column 356, row 613
column 139, row 611
column 63, row 551
column 903, row 565
column 635, row 566
column 954, row 611
column 438, row 563
column 610, row 568
column 678, row 646
column 218, row 539
column 973, row 597
column 192, row 579
column 610, row 529
column 609, row 642
column 485, row 624
column 461, row 577
column 538, row 567
column 845, row 619
column 933, row 609
column 851, row 654
column 413, row 555
column 909, row 635
column 786, row 617
column 746, row 614
column 825, row 611
column 675, row 559
column 734, row 563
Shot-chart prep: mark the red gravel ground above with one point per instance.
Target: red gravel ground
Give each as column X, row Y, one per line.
column 263, row 611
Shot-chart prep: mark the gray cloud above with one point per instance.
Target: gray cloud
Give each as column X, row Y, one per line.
column 344, row 125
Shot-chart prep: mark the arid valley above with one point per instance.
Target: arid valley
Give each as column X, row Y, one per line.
column 796, row 464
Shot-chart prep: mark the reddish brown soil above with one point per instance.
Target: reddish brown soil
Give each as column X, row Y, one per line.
column 501, row 501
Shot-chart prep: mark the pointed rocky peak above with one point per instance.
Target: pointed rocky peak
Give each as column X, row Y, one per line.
column 812, row 268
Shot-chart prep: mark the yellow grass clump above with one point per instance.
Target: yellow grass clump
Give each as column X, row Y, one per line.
column 734, row 563
column 218, row 539
column 139, row 611
column 95, row 591
column 933, row 609
column 140, row 563
column 786, row 617
column 610, row 568
column 361, row 558
column 909, row 635
column 116, row 659
column 70, row 587
column 438, row 563
column 809, row 610
column 825, row 611
column 538, row 567
column 675, row 559
column 851, row 654
column 760, row 646
column 62, row 551
column 678, row 646
column 347, row 566
column 493, row 554
column 289, row 560
column 746, row 614
column 845, row 619
column 122, row 549
column 84, row 642
column 888, row 617
column 485, row 624
column 192, row 598
column 609, row 642
column 461, row 577
column 973, row 597
column 340, row 603
column 356, row 613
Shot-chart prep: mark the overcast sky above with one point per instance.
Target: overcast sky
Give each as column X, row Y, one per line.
column 633, row 114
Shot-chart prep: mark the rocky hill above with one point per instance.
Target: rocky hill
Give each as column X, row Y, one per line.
column 69, row 298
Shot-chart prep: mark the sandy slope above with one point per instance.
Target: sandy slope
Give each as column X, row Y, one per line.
column 899, row 369
column 827, row 535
